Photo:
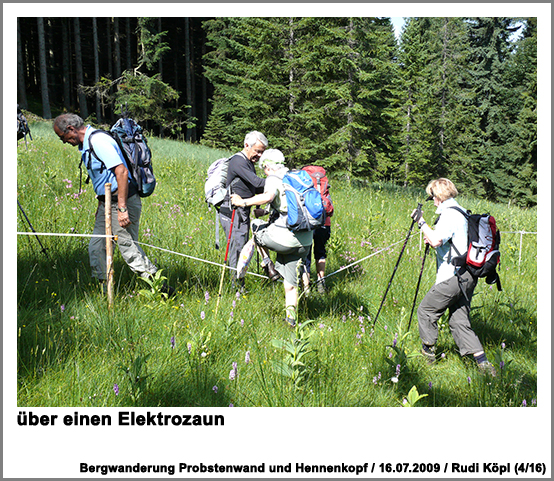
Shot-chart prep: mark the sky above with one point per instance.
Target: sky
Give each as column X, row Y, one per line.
column 398, row 22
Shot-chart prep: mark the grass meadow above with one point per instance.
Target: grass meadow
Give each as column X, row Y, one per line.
column 150, row 351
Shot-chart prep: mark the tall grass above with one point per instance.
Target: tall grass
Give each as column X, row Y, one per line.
column 149, row 351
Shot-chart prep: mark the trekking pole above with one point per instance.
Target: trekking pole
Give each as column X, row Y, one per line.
column 419, row 206
column 417, row 287
column 225, row 261
column 30, row 225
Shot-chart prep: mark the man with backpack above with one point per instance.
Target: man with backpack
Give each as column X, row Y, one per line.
column 108, row 166
column 454, row 285
column 242, row 180
column 290, row 245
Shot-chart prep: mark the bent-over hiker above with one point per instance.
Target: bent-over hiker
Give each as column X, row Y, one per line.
column 291, row 247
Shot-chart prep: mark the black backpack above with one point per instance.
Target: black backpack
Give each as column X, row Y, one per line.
column 138, row 156
column 483, row 252
column 22, row 126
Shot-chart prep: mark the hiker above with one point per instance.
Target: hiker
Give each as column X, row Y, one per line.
column 321, row 234
column 454, row 286
column 291, row 247
column 126, row 204
column 242, row 178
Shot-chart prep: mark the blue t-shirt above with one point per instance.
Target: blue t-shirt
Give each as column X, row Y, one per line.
column 107, row 149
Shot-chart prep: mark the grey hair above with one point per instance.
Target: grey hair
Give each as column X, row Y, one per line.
column 63, row 121
column 253, row 137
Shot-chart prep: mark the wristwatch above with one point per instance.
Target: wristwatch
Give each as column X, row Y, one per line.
column 421, row 223
column 122, row 209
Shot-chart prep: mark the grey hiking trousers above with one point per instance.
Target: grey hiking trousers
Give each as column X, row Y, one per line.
column 131, row 252
column 449, row 295
column 239, row 234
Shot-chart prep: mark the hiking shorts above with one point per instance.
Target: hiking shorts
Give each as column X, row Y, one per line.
column 290, row 252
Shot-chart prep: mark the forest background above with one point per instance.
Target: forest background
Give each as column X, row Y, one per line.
column 452, row 96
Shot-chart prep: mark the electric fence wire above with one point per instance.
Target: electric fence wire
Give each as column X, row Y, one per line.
column 233, row 268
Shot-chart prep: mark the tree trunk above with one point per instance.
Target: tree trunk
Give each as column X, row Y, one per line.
column 46, row 113
column 188, row 76
column 129, row 61
column 79, row 69
column 21, row 90
column 66, row 65
column 98, row 100
column 117, row 46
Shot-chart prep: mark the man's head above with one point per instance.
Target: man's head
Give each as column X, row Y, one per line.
column 254, row 145
column 272, row 160
column 441, row 189
column 70, row 128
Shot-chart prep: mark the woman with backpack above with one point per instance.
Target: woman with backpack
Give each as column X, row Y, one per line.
column 291, row 247
column 454, row 285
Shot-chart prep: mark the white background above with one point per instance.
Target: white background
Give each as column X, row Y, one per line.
column 280, row 435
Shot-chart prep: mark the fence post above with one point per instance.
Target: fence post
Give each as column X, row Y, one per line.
column 520, row 245
column 109, row 243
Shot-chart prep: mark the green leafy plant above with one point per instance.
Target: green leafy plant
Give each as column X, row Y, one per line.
column 297, row 347
column 137, row 375
column 413, row 398
column 157, row 285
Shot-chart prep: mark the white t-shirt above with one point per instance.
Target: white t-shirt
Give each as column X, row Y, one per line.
column 452, row 228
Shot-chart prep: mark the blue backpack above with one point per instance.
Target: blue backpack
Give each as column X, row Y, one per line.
column 305, row 210
column 132, row 143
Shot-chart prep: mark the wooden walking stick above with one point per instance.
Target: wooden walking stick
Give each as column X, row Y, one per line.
column 109, row 244
column 225, row 262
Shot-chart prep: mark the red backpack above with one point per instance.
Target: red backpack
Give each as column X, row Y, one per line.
column 321, row 183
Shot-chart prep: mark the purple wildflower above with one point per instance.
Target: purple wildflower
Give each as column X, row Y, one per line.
column 231, row 405
column 501, row 364
column 395, row 340
column 468, row 380
column 172, row 342
column 524, row 403
column 62, row 307
column 430, row 385
column 207, row 296
column 242, row 323
column 215, row 389
column 503, row 345
column 202, row 315
column 397, row 370
column 189, row 347
column 233, row 373
column 116, row 389
column 247, row 357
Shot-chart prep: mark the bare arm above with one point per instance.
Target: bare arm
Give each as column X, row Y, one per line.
column 258, row 199
column 122, row 176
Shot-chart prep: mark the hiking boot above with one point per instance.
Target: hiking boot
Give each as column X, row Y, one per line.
column 486, row 367
column 291, row 316
column 321, row 287
column 270, row 272
column 167, row 289
column 429, row 354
